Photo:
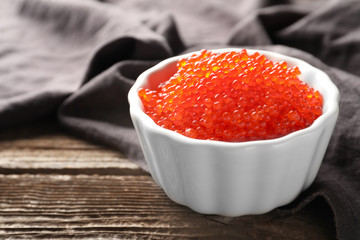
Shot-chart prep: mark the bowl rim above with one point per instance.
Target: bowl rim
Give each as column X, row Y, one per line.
column 136, row 106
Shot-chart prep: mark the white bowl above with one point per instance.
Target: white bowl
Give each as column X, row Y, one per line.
column 234, row 179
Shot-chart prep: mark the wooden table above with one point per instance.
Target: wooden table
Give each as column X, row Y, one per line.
column 55, row 186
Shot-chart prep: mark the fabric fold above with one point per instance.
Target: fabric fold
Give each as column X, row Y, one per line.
column 99, row 111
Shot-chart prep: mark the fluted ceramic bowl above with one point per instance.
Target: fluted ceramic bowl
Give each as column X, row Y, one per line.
column 229, row 178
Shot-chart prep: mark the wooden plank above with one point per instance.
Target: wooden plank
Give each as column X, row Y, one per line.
column 69, row 161
column 47, row 149
column 127, row 207
column 55, row 186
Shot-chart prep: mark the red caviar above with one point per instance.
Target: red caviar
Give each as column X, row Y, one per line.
column 233, row 96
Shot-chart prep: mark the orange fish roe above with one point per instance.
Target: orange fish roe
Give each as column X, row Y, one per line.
column 233, row 96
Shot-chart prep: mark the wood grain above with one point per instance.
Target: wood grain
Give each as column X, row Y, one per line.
column 54, row 186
